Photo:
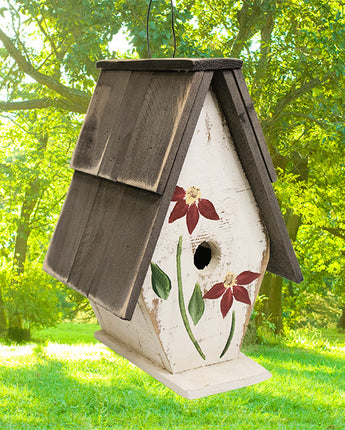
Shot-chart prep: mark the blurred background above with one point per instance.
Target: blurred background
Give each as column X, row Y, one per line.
column 294, row 62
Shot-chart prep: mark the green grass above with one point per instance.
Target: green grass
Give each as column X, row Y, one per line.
column 67, row 380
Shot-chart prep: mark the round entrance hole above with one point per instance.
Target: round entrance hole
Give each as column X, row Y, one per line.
column 202, row 256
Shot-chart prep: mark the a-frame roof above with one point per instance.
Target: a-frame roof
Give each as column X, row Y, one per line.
column 128, row 157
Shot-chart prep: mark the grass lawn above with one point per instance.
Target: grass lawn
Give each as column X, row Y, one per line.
column 67, row 380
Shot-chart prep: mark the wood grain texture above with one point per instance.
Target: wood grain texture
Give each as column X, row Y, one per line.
column 105, row 105
column 198, row 82
column 112, row 245
column 70, row 227
column 283, row 260
column 177, row 64
column 133, row 138
column 153, row 134
column 123, row 124
column 115, row 242
column 108, row 231
column 253, row 118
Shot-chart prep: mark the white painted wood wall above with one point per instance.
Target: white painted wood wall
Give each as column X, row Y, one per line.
column 238, row 242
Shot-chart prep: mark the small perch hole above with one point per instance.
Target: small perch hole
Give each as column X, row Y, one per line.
column 202, row 255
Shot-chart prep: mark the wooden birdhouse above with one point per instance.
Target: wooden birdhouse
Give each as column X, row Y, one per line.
column 170, row 220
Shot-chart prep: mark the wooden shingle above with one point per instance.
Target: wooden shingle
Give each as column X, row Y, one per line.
column 133, row 136
column 128, row 158
column 123, row 227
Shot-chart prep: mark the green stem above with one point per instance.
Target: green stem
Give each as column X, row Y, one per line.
column 231, row 334
column 181, row 299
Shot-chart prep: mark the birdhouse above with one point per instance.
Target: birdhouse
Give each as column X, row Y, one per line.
column 171, row 220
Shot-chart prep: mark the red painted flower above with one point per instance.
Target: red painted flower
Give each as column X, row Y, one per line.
column 232, row 287
column 189, row 203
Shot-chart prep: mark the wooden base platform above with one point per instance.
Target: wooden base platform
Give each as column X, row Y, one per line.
column 195, row 383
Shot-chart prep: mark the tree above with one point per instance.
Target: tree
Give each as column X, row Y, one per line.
column 34, row 178
column 47, row 73
column 294, row 62
column 293, row 56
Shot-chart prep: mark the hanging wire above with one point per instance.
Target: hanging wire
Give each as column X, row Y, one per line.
column 172, row 27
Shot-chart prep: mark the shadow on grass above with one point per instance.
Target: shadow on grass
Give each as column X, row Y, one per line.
column 111, row 393
column 301, row 360
column 67, row 333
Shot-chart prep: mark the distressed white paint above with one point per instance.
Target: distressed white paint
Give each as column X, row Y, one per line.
column 238, row 242
column 195, row 383
column 139, row 333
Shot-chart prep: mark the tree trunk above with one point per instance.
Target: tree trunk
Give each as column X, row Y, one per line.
column 248, row 19
column 272, row 285
column 262, row 68
column 341, row 322
column 16, row 331
column 3, row 320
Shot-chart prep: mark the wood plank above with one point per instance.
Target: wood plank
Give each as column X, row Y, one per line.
column 283, row 260
column 179, row 64
column 113, row 242
column 95, row 236
column 105, row 105
column 134, row 140
column 255, row 123
column 198, row 78
column 123, row 124
column 135, row 227
column 147, row 131
column 162, row 114
column 70, row 227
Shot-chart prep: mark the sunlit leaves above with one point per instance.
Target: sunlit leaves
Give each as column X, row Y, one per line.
column 35, row 148
column 294, row 64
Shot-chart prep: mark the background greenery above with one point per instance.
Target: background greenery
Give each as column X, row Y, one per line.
column 68, row 380
column 293, row 54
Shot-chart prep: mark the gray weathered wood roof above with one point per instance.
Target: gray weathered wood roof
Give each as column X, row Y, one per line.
column 127, row 161
column 176, row 64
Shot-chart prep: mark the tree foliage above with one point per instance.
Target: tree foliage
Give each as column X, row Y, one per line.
column 293, row 56
column 36, row 147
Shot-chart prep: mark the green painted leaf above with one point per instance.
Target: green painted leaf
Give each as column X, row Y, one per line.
column 196, row 306
column 161, row 283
